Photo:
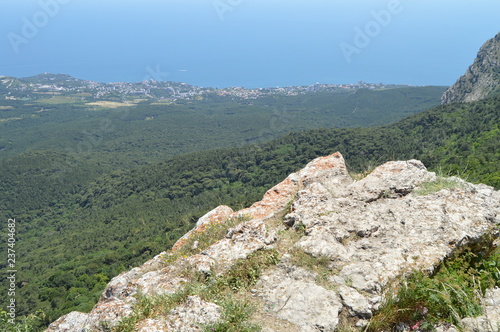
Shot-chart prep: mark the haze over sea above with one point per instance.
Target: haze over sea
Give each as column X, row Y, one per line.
column 250, row 43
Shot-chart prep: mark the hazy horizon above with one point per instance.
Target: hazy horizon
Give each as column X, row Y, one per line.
column 223, row 43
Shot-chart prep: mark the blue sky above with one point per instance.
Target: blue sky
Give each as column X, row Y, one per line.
column 251, row 43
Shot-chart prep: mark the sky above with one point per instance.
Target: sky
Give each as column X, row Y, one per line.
column 249, row 43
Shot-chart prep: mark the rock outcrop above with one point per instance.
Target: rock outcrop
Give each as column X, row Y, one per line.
column 490, row 320
column 482, row 78
column 370, row 232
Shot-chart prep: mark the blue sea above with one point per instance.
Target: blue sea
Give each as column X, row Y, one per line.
column 250, row 43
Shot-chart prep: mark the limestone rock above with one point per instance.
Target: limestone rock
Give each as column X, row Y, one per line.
column 192, row 315
column 476, row 324
column 152, row 325
column 240, row 242
column 491, row 303
column 219, row 214
column 357, row 304
column 71, row 322
column 373, row 238
column 292, row 295
column 490, row 320
column 104, row 315
column 391, row 180
column 330, row 170
column 482, row 78
column 446, row 328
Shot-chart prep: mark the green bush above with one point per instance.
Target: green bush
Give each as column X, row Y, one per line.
column 21, row 324
column 452, row 293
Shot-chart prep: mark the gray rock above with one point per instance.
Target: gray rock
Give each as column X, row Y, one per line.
column 104, row 315
column 292, row 294
column 152, row 325
column 477, row 324
column 446, row 328
column 189, row 317
column 481, row 79
column 193, row 315
column 217, row 215
column 490, row 320
column 357, row 304
column 374, row 238
column 394, row 179
column 69, row 323
column 240, row 242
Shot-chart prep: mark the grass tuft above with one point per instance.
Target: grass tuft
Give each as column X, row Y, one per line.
column 204, row 238
column 440, row 183
column 453, row 293
column 235, row 318
column 321, row 265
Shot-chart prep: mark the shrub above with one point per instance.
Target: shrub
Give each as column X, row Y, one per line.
column 452, row 293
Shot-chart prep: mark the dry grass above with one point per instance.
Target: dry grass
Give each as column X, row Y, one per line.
column 110, row 104
column 440, row 183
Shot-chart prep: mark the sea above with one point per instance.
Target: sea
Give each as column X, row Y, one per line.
column 257, row 43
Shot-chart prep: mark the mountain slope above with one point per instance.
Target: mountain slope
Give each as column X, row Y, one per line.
column 482, row 78
column 124, row 218
column 317, row 249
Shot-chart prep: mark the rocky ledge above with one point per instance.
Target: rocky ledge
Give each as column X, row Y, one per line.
column 369, row 232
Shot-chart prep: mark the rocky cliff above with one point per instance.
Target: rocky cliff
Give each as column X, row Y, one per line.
column 482, row 78
column 320, row 249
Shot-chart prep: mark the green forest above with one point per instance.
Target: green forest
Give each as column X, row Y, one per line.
column 83, row 218
column 148, row 132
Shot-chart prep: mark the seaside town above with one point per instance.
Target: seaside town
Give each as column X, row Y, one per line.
column 46, row 85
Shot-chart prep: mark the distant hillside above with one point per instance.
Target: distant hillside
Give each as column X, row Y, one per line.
column 482, row 78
